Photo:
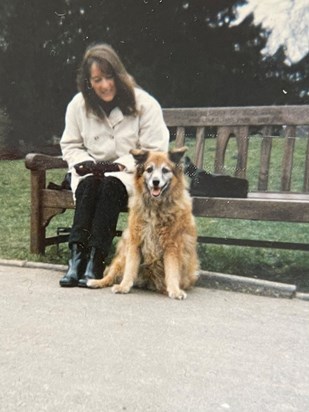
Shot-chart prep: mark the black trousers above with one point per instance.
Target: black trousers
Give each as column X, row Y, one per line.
column 98, row 204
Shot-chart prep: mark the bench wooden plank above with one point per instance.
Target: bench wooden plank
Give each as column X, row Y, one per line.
column 57, row 199
column 38, row 161
column 199, row 147
column 266, row 146
column 237, row 116
column 306, row 172
column 252, row 209
column 37, row 230
column 242, row 133
column 180, row 137
column 285, row 196
column 254, row 243
column 287, row 160
column 223, row 136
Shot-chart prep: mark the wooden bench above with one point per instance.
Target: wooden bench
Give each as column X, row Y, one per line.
column 225, row 126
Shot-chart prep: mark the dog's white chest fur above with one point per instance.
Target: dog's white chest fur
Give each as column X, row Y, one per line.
column 152, row 238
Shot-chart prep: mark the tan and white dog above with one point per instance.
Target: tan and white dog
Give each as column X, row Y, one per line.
column 158, row 249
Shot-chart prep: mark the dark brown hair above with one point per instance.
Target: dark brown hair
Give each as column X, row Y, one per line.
column 110, row 64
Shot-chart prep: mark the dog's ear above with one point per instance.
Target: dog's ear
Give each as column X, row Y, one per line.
column 176, row 155
column 140, row 156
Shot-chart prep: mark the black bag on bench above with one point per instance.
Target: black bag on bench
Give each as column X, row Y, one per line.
column 65, row 184
column 213, row 185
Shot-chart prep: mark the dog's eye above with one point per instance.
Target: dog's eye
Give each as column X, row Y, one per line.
column 165, row 170
column 149, row 169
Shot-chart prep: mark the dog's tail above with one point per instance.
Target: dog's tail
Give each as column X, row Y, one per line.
column 112, row 275
column 96, row 283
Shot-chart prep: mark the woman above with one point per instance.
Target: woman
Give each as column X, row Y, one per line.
column 104, row 121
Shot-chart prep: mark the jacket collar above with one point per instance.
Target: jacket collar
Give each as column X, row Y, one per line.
column 115, row 117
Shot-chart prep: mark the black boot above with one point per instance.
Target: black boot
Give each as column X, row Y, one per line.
column 76, row 266
column 94, row 268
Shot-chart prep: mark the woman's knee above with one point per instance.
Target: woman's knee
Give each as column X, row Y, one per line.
column 90, row 183
column 114, row 188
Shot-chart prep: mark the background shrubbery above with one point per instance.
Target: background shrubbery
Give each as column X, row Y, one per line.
column 184, row 52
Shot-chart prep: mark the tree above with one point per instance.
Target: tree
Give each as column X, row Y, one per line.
column 34, row 73
column 184, row 52
column 286, row 23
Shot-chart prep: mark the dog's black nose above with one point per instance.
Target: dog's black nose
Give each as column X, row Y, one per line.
column 156, row 183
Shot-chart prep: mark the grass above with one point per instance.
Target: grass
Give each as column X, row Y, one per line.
column 271, row 264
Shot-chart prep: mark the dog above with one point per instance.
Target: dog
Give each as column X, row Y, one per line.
column 158, row 250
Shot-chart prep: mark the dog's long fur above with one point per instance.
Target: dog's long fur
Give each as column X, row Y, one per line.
column 158, row 249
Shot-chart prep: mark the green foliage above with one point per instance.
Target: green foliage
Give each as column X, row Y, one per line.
column 183, row 52
column 35, row 78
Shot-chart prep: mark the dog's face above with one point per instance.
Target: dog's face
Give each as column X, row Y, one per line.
column 157, row 176
column 158, row 170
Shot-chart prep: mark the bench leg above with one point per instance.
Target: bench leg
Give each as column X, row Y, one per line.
column 37, row 236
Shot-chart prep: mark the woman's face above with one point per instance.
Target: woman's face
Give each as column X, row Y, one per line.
column 103, row 85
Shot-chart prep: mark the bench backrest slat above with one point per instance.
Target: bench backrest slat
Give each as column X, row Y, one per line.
column 242, row 133
column 180, row 136
column 223, row 136
column 306, row 173
column 287, row 160
column 266, row 146
column 200, row 147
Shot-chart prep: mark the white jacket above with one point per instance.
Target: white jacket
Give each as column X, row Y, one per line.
column 87, row 137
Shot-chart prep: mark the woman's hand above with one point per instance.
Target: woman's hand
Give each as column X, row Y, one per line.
column 84, row 168
column 97, row 169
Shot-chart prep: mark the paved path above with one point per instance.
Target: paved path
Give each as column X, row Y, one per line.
column 89, row 350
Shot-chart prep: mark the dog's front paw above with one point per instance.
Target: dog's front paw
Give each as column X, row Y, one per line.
column 93, row 284
column 98, row 283
column 177, row 294
column 121, row 289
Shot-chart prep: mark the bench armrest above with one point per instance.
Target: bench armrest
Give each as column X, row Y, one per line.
column 37, row 161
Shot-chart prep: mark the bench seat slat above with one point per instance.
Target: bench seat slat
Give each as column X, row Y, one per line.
column 279, row 210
